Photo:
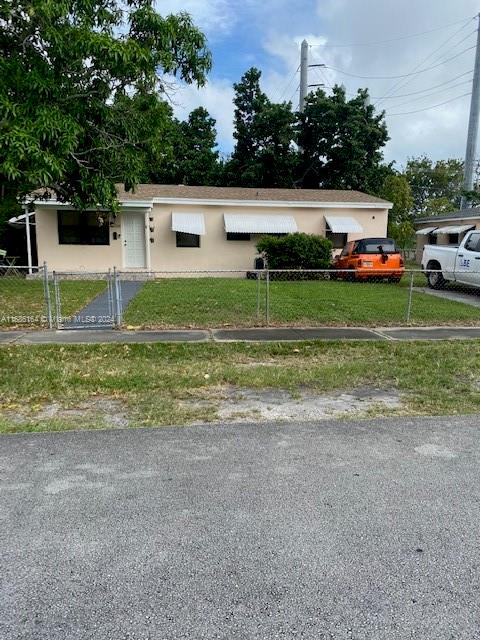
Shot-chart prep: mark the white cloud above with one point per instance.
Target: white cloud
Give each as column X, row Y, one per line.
column 217, row 97
column 213, row 16
column 438, row 132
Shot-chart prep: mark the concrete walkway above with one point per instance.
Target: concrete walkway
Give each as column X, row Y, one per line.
column 281, row 334
column 469, row 296
column 97, row 313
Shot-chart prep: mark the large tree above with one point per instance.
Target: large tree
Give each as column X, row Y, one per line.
column 436, row 186
column 264, row 155
column 193, row 158
column 396, row 189
column 341, row 142
column 80, row 92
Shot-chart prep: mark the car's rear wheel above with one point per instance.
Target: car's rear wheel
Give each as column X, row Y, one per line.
column 435, row 279
column 351, row 276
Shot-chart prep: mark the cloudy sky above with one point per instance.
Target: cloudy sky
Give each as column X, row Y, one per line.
column 371, row 38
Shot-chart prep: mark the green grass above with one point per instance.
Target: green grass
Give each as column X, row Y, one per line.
column 50, row 387
column 22, row 302
column 213, row 302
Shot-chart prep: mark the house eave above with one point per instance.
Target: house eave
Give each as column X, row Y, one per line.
column 269, row 204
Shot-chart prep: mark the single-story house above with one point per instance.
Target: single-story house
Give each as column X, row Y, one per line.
column 446, row 229
column 176, row 227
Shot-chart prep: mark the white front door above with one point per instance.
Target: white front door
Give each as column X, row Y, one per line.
column 134, row 254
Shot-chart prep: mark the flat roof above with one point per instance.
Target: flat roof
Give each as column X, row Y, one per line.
column 461, row 214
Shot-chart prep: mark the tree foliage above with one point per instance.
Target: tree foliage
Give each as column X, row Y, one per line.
column 341, row 142
column 436, row 186
column 264, row 155
column 396, row 189
column 403, row 232
column 296, row 251
column 79, row 92
column 193, row 158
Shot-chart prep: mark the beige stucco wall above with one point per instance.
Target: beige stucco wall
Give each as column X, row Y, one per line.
column 442, row 239
column 72, row 257
column 215, row 251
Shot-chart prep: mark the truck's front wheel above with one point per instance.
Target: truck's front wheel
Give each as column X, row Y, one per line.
column 435, row 279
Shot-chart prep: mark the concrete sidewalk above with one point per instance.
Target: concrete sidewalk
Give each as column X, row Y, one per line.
column 266, row 334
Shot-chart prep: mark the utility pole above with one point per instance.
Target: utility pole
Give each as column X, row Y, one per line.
column 472, row 125
column 303, row 75
column 304, row 67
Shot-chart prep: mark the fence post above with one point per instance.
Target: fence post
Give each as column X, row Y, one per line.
column 410, row 291
column 48, row 302
column 109, row 296
column 58, row 304
column 118, row 298
column 267, row 297
column 259, row 277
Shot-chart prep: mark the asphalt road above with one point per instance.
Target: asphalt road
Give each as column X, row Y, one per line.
column 358, row 530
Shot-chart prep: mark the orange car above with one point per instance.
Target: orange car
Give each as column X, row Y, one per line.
column 369, row 259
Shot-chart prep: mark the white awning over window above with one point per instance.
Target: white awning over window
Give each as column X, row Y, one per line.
column 459, row 228
column 193, row 223
column 426, row 231
column 343, row 225
column 249, row 223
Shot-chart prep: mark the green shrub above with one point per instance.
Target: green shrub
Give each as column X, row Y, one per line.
column 296, row 251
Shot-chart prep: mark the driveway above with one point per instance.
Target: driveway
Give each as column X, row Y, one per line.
column 364, row 530
column 455, row 293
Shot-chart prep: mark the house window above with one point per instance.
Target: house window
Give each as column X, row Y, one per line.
column 338, row 240
column 453, row 238
column 82, row 227
column 187, row 239
column 238, row 236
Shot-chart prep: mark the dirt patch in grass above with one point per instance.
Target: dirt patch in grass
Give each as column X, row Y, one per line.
column 97, row 412
column 53, row 387
column 238, row 404
column 283, row 405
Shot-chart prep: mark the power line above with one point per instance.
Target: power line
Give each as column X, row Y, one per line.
column 433, row 106
column 402, row 83
column 413, row 93
column 288, row 84
column 401, row 95
column 453, row 86
column 406, row 37
column 293, row 94
column 405, row 75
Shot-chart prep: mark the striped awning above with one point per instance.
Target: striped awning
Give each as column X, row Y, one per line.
column 343, row 225
column 193, row 223
column 249, row 223
column 426, row 231
column 459, row 228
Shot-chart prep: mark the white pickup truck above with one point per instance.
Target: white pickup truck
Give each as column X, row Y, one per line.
column 443, row 264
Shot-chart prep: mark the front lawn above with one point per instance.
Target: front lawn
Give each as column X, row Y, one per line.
column 22, row 302
column 53, row 387
column 214, row 302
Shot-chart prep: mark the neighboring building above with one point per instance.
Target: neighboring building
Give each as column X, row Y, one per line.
column 446, row 229
column 168, row 227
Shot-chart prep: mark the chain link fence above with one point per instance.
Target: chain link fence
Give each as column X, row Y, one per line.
column 205, row 299
column 313, row 298
column 23, row 297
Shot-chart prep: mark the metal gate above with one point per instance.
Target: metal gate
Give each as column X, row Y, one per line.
column 83, row 300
